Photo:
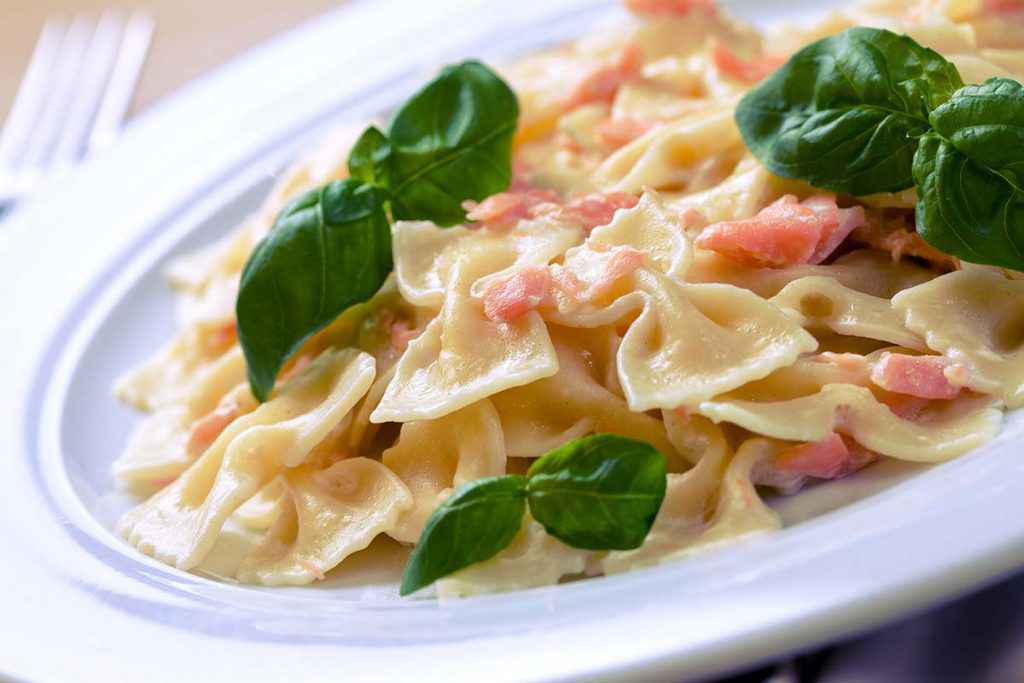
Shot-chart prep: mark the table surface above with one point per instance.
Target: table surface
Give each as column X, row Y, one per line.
column 192, row 36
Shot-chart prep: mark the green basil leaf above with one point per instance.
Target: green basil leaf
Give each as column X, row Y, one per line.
column 451, row 141
column 366, row 160
column 986, row 123
column 601, row 492
column 845, row 112
column 474, row 524
column 969, row 174
column 328, row 249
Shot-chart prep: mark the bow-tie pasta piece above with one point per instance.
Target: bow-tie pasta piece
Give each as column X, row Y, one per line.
column 840, row 389
column 426, row 255
column 693, row 436
column 540, row 416
column 463, row 357
column 574, row 312
column 640, row 102
column 806, row 377
column 180, row 524
column 327, row 515
column 165, row 443
column 672, row 156
column 362, row 432
column 818, row 302
column 195, row 273
column 739, row 196
column 259, row 512
column 650, row 228
column 594, row 283
column 212, row 307
column 938, row 431
column 739, row 509
column 867, row 270
column 156, row 452
column 683, row 527
column 976, row 69
column 209, row 279
column 942, row 35
column 693, row 342
column 432, row 457
column 681, row 29
column 167, row 376
column 975, row 318
column 689, row 499
column 534, row 558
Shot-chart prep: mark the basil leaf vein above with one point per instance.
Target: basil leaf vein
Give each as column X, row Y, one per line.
column 328, row 249
column 473, row 525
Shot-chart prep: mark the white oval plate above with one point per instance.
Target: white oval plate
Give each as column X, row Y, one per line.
column 83, row 300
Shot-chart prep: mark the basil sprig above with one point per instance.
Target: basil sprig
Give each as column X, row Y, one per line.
column 331, row 247
column 870, row 111
column 473, row 525
column 970, row 175
column 436, row 162
column 600, row 492
column 845, row 112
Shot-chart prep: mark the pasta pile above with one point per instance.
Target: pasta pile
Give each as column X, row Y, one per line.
column 597, row 295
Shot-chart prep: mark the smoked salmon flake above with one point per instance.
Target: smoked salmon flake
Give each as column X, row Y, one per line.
column 747, row 70
column 920, row 376
column 516, row 296
column 505, row 209
column 1004, row 6
column 786, row 233
column 402, row 333
column 601, row 84
column 832, row 457
column 597, row 208
column 671, row 8
column 206, row 429
column 535, row 286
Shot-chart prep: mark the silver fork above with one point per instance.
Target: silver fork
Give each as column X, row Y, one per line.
column 72, row 99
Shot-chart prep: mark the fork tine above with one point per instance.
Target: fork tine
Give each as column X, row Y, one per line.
column 89, row 86
column 58, row 100
column 29, row 100
column 130, row 57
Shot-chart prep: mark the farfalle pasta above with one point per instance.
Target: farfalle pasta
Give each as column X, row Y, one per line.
column 643, row 275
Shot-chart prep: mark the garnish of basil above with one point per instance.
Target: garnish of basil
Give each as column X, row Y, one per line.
column 331, row 247
column 367, row 157
column 870, row 111
column 970, row 175
column 600, row 492
column 328, row 249
column 451, row 141
column 473, row 525
column 845, row 113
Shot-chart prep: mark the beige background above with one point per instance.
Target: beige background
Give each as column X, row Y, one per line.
column 192, row 36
